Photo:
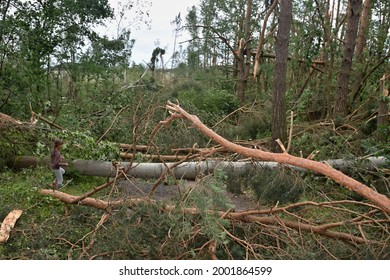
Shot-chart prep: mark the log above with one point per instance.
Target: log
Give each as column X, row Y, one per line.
column 192, row 170
column 130, row 147
column 242, row 216
column 186, row 170
column 22, row 162
column 8, row 224
column 49, row 122
column 151, row 157
column 8, row 119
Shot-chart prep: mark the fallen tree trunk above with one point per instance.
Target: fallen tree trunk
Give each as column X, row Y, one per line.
column 8, row 119
column 263, row 217
column 151, row 157
column 186, row 170
column 284, row 158
column 8, row 223
column 22, row 162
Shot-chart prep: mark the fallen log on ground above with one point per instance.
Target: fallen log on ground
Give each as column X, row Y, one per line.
column 263, row 217
column 186, row 170
column 8, row 223
column 8, row 119
column 151, row 157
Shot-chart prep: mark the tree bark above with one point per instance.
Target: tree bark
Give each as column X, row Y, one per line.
column 360, row 46
column 279, row 126
column 5, row 119
column 243, row 56
column 383, row 120
column 8, row 224
column 341, row 98
column 269, row 216
column 185, row 170
column 283, row 158
column 363, row 29
column 259, row 51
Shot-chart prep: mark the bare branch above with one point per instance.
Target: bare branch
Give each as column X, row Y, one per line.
column 285, row 158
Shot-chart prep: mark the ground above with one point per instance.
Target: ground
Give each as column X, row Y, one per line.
column 140, row 188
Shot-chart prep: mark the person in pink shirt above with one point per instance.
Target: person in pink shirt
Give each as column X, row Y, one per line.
column 57, row 163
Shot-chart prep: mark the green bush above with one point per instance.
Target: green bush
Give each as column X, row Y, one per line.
column 80, row 145
column 210, row 105
column 281, row 185
column 15, row 141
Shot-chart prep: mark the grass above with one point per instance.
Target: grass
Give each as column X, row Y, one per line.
column 49, row 229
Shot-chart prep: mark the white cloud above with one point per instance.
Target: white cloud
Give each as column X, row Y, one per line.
column 162, row 12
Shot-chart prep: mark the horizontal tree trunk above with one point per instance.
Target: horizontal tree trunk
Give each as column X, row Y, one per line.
column 243, row 216
column 152, row 157
column 186, row 170
column 8, row 223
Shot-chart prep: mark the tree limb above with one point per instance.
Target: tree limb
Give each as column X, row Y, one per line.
column 263, row 217
column 284, row 158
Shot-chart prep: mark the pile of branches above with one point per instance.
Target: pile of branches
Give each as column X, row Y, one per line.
column 271, row 232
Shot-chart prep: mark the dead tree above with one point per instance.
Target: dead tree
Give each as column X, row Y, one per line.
column 378, row 199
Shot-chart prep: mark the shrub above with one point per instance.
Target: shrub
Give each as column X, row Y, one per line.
column 281, row 185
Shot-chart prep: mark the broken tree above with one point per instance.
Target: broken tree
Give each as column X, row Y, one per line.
column 8, row 223
column 176, row 112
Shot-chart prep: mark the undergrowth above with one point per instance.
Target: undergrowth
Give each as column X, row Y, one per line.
column 49, row 229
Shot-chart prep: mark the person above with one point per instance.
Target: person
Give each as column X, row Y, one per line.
column 56, row 164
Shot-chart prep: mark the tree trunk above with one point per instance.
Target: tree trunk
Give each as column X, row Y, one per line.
column 261, row 217
column 186, row 170
column 360, row 45
column 383, row 120
column 363, row 29
column 259, row 51
column 341, row 98
column 243, row 56
column 279, row 126
column 8, row 224
column 241, row 83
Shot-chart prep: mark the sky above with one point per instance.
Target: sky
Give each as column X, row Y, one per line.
column 161, row 12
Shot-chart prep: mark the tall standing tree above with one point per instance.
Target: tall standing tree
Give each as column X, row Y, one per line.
column 176, row 23
column 243, row 55
column 192, row 23
column 37, row 34
column 360, row 46
column 279, row 130
column 208, row 9
column 259, row 51
column 341, row 98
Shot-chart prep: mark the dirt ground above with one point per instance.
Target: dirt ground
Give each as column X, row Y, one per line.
column 140, row 188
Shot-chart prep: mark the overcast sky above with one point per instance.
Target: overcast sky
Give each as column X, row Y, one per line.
column 162, row 12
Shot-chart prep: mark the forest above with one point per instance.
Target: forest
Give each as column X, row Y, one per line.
column 265, row 136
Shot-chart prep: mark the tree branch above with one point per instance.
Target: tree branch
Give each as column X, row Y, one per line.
column 284, row 158
column 263, row 217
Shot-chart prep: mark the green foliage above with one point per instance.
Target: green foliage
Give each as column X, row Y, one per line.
column 209, row 193
column 20, row 192
column 80, row 145
column 211, row 104
column 280, row 185
column 150, row 231
column 14, row 141
column 331, row 145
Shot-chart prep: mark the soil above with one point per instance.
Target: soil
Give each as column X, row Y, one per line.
column 140, row 188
